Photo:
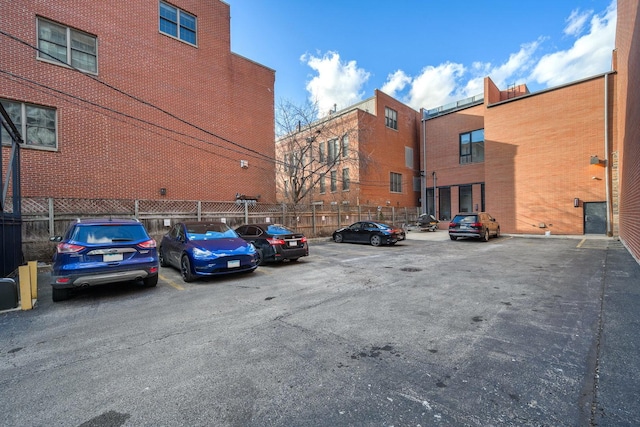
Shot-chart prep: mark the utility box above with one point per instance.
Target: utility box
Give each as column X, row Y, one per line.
column 8, row 294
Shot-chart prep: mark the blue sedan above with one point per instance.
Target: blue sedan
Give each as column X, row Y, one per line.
column 206, row 249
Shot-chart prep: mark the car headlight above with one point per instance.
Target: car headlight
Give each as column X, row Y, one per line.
column 202, row 253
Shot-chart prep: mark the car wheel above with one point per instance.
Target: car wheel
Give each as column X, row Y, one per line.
column 485, row 235
column 185, row 269
column 161, row 258
column 337, row 238
column 59, row 294
column 453, row 237
column 376, row 240
column 498, row 232
column 150, row 281
column 260, row 257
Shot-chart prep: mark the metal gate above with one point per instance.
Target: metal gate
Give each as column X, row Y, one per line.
column 10, row 208
column 595, row 218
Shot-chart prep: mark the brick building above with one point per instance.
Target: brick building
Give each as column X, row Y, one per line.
column 367, row 154
column 146, row 102
column 627, row 103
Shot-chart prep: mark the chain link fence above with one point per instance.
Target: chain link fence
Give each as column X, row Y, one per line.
column 43, row 218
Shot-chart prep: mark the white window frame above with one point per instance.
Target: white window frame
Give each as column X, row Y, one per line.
column 26, row 129
column 71, row 52
column 179, row 24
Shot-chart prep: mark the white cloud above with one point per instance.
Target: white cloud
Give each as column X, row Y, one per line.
column 575, row 22
column 395, row 83
column 435, row 86
column 336, row 83
column 589, row 55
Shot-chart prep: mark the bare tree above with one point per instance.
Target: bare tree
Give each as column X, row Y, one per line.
column 310, row 149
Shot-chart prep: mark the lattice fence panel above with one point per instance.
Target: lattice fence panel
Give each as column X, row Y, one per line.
column 35, row 206
column 166, row 207
column 94, row 207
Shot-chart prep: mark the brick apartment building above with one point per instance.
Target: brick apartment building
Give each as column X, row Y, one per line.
column 367, row 154
column 534, row 161
column 142, row 102
column 565, row 160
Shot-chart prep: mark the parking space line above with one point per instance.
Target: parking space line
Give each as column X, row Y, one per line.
column 581, row 243
column 171, row 283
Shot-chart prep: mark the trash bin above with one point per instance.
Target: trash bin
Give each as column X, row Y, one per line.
column 8, row 294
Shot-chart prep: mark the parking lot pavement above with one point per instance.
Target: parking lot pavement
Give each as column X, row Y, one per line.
column 515, row 331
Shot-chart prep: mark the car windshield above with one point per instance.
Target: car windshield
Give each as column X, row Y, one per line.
column 95, row 234
column 278, row 229
column 209, row 231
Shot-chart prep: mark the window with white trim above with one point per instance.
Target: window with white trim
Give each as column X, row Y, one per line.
column 36, row 124
column 177, row 23
column 396, row 182
column 345, row 179
column 60, row 44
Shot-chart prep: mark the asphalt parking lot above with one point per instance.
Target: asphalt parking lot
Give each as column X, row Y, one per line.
column 516, row 331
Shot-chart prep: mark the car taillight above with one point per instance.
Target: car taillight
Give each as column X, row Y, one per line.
column 452, row 225
column 273, row 241
column 68, row 248
column 477, row 225
column 148, row 244
column 303, row 240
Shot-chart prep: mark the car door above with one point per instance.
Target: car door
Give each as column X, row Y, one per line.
column 173, row 245
column 366, row 231
column 350, row 234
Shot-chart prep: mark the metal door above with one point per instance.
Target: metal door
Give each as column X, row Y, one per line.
column 595, row 218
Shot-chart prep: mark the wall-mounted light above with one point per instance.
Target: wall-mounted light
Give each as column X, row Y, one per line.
column 576, row 202
column 244, row 164
column 163, row 191
column 595, row 160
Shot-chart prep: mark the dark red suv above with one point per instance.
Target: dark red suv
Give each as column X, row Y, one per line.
column 479, row 225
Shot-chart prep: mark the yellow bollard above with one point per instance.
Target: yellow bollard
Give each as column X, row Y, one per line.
column 33, row 274
column 24, row 276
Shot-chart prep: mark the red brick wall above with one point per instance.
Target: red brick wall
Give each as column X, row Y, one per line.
column 538, row 151
column 218, row 107
column 385, row 149
column 628, row 104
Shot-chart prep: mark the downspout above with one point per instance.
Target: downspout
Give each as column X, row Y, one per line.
column 423, row 174
column 607, row 165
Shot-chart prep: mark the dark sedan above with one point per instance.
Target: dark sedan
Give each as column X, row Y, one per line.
column 206, row 249
column 374, row 233
column 275, row 242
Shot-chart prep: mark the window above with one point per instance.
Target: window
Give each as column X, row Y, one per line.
column 177, row 23
column 408, row 157
column 391, row 118
column 323, row 187
column 334, row 151
column 345, row 179
column 430, row 202
column 334, row 181
column 61, row 44
column 36, row 124
column 345, row 146
column 472, row 147
column 445, row 203
column 321, row 150
column 465, row 199
column 396, row 182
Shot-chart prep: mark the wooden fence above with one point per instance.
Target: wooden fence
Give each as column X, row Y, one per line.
column 43, row 218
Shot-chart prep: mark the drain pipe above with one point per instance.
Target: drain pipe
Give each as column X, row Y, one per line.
column 607, row 165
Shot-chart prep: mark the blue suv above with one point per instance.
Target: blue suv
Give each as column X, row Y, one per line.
column 99, row 251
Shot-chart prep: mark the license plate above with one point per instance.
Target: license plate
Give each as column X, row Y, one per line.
column 111, row 257
column 293, row 243
column 233, row 264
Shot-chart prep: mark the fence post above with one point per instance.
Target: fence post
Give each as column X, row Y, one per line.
column 284, row 213
column 313, row 219
column 246, row 212
column 51, row 219
column 199, row 210
column 136, row 208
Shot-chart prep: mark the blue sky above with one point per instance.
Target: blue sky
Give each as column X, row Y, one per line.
column 424, row 53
